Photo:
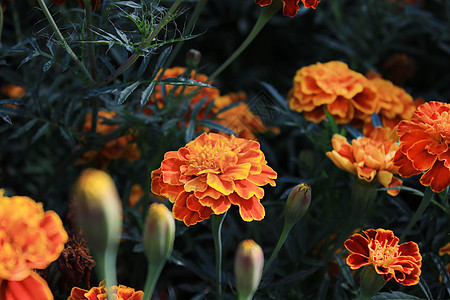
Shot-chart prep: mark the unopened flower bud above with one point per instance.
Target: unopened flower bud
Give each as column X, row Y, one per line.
column 98, row 209
column 297, row 203
column 248, row 266
column 159, row 233
column 193, row 58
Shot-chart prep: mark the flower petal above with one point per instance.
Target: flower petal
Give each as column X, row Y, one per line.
column 31, row 288
column 249, row 209
column 437, row 178
column 356, row 261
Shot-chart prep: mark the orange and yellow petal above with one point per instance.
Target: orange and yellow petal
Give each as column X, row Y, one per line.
column 31, row 287
column 250, row 209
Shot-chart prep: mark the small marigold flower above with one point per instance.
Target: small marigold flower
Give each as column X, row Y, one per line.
column 424, row 145
column 380, row 249
column 30, row 239
column 297, row 203
column 239, row 118
column 347, row 95
column 290, row 7
column 121, row 148
column 212, row 172
column 120, row 292
column 13, row 91
column 368, row 157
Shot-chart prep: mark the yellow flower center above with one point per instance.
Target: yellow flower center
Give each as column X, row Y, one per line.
column 210, row 158
column 383, row 255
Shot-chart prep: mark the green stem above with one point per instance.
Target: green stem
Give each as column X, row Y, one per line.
column 153, row 273
column 63, row 41
column 106, row 264
column 264, row 16
column 284, row 234
column 135, row 56
column 192, row 20
column 217, row 221
column 1, row 25
column 427, row 196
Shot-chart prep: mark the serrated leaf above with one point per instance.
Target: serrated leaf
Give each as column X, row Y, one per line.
column 105, row 90
column 66, row 136
column 143, row 66
column 183, row 81
column 161, row 60
column 24, row 128
column 125, row 93
column 122, row 35
column 28, row 58
column 40, row 132
column 127, row 3
column 147, row 92
column 190, row 132
column 5, row 118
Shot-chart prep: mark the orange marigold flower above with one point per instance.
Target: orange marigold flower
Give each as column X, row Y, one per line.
column 182, row 91
column 290, row 7
column 380, row 249
column 394, row 104
column 13, row 91
column 424, row 145
column 239, row 118
column 347, row 95
column 123, row 147
column 368, row 157
column 212, row 172
column 30, row 239
column 120, row 292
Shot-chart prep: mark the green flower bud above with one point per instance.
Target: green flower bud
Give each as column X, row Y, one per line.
column 98, row 209
column 193, row 59
column 248, row 266
column 297, row 203
column 159, row 233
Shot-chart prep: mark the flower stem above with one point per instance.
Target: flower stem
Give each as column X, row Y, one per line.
column 284, row 234
column 153, row 273
column 427, row 196
column 371, row 283
column 63, row 41
column 264, row 16
column 134, row 57
column 192, row 20
column 217, row 221
column 106, row 263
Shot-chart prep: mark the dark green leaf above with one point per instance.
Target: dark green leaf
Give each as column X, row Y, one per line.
column 127, row 92
column 24, row 128
column 393, row 295
column 216, row 126
column 40, row 132
column 147, row 92
column 5, row 118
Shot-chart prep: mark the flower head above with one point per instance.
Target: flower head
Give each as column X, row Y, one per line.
column 347, row 95
column 290, row 7
column 380, row 249
column 212, row 172
column 13, row 91
column 238, row 118
column 30, row 239
column 368, row 157
column 424, row 145
column 120, row 292
column 120, row 148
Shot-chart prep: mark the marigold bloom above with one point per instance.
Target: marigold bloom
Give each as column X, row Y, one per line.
column 368, row 157
column 121, row 148
column 120, row 292
column 347, row 95
column 13, row 91
column 182, row 91
column 212, row 172
column 424, row 145
column 290, row 7
column 30, row 239
column 380, row 249
column 239, row 118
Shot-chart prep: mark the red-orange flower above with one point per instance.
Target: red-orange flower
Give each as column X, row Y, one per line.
column 30, row 239
column 13, row 91
column 290, row 7
column 380, row 249
column 212, row 172
column 347, row 95
column 424, row 145
column 123, row 147
column 368, row 157
column 120, row 292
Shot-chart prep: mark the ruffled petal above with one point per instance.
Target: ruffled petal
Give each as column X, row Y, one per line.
column 31, row 288
column 249, row 209
column 437, row 178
